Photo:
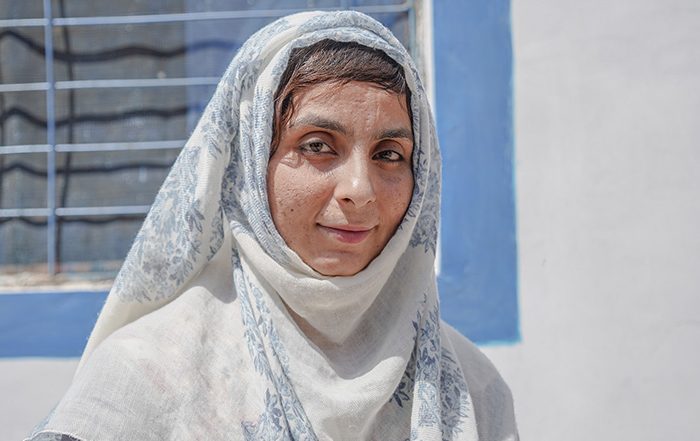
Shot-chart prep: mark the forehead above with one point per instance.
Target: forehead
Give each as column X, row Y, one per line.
column 351, row 99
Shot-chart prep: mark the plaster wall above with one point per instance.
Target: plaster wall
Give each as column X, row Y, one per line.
column 607, row 159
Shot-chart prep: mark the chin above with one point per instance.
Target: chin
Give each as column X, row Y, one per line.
column 337, row 267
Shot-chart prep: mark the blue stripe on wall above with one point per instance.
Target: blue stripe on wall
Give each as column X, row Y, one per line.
column 473, row 69
column 47, row 324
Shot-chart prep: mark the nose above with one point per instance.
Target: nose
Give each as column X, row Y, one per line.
column 354, row 182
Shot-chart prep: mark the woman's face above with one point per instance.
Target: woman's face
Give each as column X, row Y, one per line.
column 340, row 179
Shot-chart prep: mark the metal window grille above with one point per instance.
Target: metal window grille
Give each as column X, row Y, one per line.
column 97, row 98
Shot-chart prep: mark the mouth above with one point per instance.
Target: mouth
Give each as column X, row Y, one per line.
column 347, row 233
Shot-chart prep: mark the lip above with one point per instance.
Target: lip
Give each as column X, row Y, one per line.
column 348, row 233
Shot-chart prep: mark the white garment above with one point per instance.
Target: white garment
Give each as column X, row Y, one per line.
column 198, row 338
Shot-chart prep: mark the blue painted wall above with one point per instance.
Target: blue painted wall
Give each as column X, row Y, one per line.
column 474, row 97
column 47, row 325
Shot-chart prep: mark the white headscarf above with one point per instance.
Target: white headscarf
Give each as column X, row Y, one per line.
column 215, row 329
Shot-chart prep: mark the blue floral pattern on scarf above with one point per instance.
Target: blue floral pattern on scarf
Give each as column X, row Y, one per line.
column 283, row 417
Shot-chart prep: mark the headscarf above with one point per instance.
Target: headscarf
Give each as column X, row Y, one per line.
column 216, row 329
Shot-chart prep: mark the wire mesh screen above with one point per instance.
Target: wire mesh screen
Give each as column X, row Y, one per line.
column 97, row 98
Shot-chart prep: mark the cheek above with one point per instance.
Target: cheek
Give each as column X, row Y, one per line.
column 398, row 193
column 291, row 196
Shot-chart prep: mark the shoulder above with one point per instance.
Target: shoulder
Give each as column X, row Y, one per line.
column 478, row 369
column 491, row 396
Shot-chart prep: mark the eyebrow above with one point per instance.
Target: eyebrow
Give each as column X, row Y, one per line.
column 318, row 121
column 329, row 124
column 396, row 133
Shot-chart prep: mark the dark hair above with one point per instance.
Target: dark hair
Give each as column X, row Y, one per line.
column 338, row 62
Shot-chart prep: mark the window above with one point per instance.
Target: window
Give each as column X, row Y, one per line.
column 97, row 98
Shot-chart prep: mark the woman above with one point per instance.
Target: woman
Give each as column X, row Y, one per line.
column 282, row 286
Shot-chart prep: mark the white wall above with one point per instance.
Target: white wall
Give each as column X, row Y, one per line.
column 29, row 389
column 607, row 103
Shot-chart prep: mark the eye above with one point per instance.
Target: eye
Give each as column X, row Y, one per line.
column 315, row 147
column 388, row 156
